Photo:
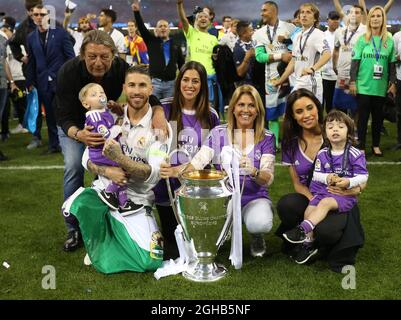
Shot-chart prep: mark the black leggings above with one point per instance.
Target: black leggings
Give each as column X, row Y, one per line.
column 328, row 93
column 168, row 222
column 369, row 105
column 291, row 209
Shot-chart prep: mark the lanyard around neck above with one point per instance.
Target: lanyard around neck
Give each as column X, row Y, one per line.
column 346, row 42
column 271, row 37
column 377, row 51
column 344, row 163
column 302, row 47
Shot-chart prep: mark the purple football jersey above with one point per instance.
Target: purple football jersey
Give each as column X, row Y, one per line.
column 326, row 163
column 102, row 123
column 218, row 139
column 299, row 160
column 189, row 139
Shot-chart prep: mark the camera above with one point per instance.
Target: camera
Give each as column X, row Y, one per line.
column 17, row 94
column 197, row 9
column 191, row 18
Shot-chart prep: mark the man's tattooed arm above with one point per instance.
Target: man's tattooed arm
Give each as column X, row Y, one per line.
column 95, row 169
column 136, row 170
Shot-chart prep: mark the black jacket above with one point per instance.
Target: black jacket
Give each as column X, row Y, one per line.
column 20, row 36
column 72, row 77
column 157, row 64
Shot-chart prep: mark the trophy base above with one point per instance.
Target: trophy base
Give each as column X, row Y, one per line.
column 205, row 272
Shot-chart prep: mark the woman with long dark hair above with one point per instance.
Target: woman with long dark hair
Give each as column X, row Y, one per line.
column 301, row 142
column 191, row 115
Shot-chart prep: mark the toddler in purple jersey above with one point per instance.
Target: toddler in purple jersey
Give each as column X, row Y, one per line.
column 94, row 99
column 340, row 165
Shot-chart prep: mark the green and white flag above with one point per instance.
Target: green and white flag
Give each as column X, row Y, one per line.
column 115, row 243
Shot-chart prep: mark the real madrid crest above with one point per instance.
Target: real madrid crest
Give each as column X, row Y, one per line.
column 318, row 165
column 141, row 142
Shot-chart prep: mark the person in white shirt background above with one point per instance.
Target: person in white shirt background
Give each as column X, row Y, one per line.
column 328, row 74
column 311, row 52
column 106, row 19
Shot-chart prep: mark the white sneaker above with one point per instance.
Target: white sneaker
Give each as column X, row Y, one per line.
column 258, row 245
column 87, row 260
column 19, row 129
column 35, row 143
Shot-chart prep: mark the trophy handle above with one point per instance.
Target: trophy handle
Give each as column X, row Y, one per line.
column 225, row 232
column 228, row 185
column 173, row 199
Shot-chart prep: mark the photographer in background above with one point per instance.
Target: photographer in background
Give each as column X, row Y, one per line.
column 5, row 75
column 17, row 95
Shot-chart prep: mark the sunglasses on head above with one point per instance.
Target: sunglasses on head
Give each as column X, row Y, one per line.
column 40, row 14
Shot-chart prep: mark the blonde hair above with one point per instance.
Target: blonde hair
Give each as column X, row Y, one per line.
column 259, row 124
column 383, row 31
column 84, row 91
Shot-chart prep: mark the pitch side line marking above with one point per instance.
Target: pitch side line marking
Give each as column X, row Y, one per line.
column 31, row 168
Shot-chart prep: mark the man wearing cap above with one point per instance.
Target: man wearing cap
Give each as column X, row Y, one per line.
column 83, row 27
column 22, row 31
column 19, row 100
column 5, row 74
column 328, row 75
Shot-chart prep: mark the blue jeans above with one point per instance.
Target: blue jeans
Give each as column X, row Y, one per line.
column 163, row 89
column 3, row 100
column 47, row 99
column 217, row 102
column 73, row 170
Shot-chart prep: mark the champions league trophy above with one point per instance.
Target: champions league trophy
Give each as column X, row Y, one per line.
column 202, row 202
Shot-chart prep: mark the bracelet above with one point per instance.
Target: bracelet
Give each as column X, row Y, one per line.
column 256, row 174
column 313, row 69
column 75, row 136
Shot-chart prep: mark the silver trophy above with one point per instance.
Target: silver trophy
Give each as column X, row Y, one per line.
column 202, row 202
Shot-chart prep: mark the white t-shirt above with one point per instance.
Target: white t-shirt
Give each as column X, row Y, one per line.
column 15, row 65
column 316, row 44
column 262, row 40
column 229, row 39
column 118, row 39
column 327, row 70
column 78, row 36
column 345, row 53
column 397, row 45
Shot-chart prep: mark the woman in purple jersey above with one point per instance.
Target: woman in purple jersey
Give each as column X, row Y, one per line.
column 190, row 113
column 245, row 135
column 340, row 236
column 339, row 164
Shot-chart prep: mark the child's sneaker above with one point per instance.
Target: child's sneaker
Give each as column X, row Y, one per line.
column 304, row 254
column 296, row 235
column 109, row 198
column 129, row 208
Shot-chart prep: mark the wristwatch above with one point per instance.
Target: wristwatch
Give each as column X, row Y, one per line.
column 256, row 174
